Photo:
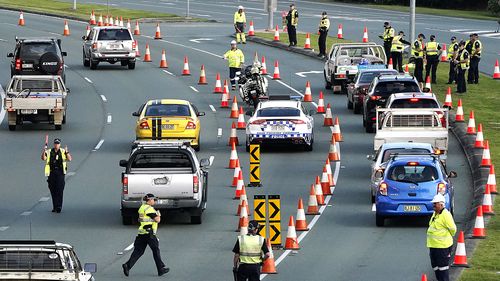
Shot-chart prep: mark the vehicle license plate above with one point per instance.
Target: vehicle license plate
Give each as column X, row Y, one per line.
column 162, row 202
column 168, row 126
column 27, row 65
column 29, row 111
column 114, row 46
column 277, row 136
column 411, row 208
column 161, row 181
column 277, row 128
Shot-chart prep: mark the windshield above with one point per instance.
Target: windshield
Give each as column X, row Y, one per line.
column 114, row 34
column 278, row 112
column 36, row 49
column 34, row 260
column 414, row 103
column 413, row 173
column 168, row 110
column 388, row 88
column 388, row 152
column 162, row 160
column 367, row 76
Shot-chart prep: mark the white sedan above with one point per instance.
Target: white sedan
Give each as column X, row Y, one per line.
column 280, row 122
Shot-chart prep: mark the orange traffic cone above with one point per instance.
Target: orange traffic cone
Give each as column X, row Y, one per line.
column 66, row 29
column 158, row 32
column 365, row 35
column 486, row 161
column 236, row 173
column 428, row 84
column 121, row 22
column 307, row 94
column 325, row 182
column 218, row 85
column 110, row 21
column 137, row 30
column 447, row 101
column 129, row 28
column 479, row 232
column 329, row 173
column 92, row 18
column 233, row 158
column 301, row 222
column 117, row 22
column 424, row 277
column 203, row 78
column 487, row 202
column 389, row 65
column 444, row 54
column 251, row 31
column 269, row 266
column 185, row 70
column 460, row 259
column 239, row 186
column 321, row 103
column 87, row 31
column 99, row 21
column 336, row 131
column 224, row 101
column 147, row 54
column 233, row 138
column 339, row 32
column 163, row 62
column 307, row 44
column 492, row 181
column 136, row 47
column 471, row 127
column 234, row 109
column 318, row 190
column 406, row 69
column 276, row 75
column 243, row 222
column 241, row 125
column 459, row 117
column 328, row 116
column 333, row 153
column 21, row 19
column 312, row 204
column 243, row 197
column 263, row 69
column 226, row 88
column 106, row 22
column 292, row 243
column 496, row 71
column 276, row 34
column 479, row 143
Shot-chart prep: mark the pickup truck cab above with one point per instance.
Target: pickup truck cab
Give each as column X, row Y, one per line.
column 343, row 62
column 169, row 170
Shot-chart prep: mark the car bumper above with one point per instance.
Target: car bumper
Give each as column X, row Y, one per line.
column 394, row 208
column 113, row 57
column 192, row 138
column 164, row 203
column 289, row 138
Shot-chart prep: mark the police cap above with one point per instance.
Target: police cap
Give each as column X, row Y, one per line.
column 386, row 23
column 421, row 35
column 253, row 225
column 453, row 38
column 149, row 196
column 323, row 13
column 401, row 32
column 462, row 43
column 57, row 140
column 433, row 37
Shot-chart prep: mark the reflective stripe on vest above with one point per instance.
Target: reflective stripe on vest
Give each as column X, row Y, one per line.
column 432, row 48
column 250, row 248
column 439, row 235
column 388, row 34
column 451, row 50
column 47, row 162
column 145, row 220
column 397, row 46
column 418, row 53
column 464, row 65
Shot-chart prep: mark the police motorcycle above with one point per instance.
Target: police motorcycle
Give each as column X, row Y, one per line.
column 253, row 85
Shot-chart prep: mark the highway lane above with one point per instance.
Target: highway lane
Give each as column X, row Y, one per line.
column 91, row 221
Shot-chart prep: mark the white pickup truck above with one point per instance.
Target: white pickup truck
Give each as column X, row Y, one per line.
column 36, row 98
column 424, row 125
column 169, row 170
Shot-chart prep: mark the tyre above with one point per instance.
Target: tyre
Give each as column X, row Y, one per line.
column 127, row 220
column 349, row 104
column 12, row 127
column 328, row 85
column 64, row 119
column 357, row 108
column 379, row 220
column 123, row 63
column 93, row 64
column 369, row 127
column 86, row 62
column 247, row 146
column 309, row 147
column 131, row 65
column 58, row 127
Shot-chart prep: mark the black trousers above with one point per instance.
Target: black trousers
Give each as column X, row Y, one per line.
column 387, row 49
column 292, row 34
column 232, row 74
column 140, row 244
column 440, row 262
column 397, row 61
column 322, row 42
column 453, row 73
column 473, row 76
column 250, row 272
column 431, row 67
column 419, row 69
column 461, row 84
column 56, row 183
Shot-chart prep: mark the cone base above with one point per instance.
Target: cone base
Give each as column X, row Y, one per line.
column 255, row 184
column 489, row 213
column 312, row 213
column 478, row 237
column 460, row 265
column 291, row 248
column 302, row 229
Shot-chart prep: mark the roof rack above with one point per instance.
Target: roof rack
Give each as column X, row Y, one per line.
column 161, row 143
column 393, row 156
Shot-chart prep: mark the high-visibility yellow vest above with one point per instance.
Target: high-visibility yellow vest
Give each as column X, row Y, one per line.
column 441, row 230
column 417, row 52
column 250, row 248
column 388, row 34
column 235, row 57
column 464, row 65
column 145, row 220
column 324, row 23
column 47, row 162
column 474, row 53
column 397, row 46
column 294, row 18
column 432, row 48
column 240, row 18
column 451, row 50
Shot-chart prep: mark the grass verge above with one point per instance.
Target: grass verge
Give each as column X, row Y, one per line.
column 83, row 11
column 479, row 15
column 484, row 99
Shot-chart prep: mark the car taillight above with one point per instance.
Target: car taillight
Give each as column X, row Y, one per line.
column 414, row 100
column 134, row 45
column 190, row 125
column 144, row 125
column 94, row 46
column 441, row 188
column 374, row 118
column 258, row 122
column 412, row 163
column 18, row 64
column 340, row 75
column 125, row 184
column 297, row 121
column 196, row 184
column 382, row 188
column 375, row 97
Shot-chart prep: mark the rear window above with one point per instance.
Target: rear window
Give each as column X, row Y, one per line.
column 34, row 260
column 36, row 85
column 37, row 49
column 168, row 110
column 414, row 120
column 114, row 34
column 162, row 160
column 278, row 112
column 416, row 174
column 388, row 152
column 388, row 88
column 414, row 103
column 367, row 77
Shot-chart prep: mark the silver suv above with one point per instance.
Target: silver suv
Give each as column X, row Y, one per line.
column 111, row 44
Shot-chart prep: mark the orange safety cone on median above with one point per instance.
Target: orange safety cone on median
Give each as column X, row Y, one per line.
column 137, row 52
column 428, row 84
column 158, row 31
column 224, row 101
column 301, row 222
column 329, row 173
column 312, row 203
column 407, row 71
column 233, row 158
column 241, row 125
column 496, row 71
column 110, row 21
column 263, row 69
column 487, row 202
column 203, row 77
column 486, row 159
column 424, row 277
column 444, row 54
column 336, row 131
column 276, row 34
column 99, row 21
column 321, row 103
column 471, row 127
column 340, row 34
column 233, row 138
column 328, row 121
column 479, row 143
column 307, row 44
column 479, row 232
column 21, row 19
column 137, row 30
column 365, row 35
column 147, row 54
column 307, row 93
column 333, row 153
column 121, row 22
column 218, row 85
column 447, row 101
column 117, row 22
column 66, row 29
column 459, row 117
column 129, row 28
column 251, row 31
column 239, row 186
column 243, row 197
column 276, row 75
column 236, row 173
column 492, row 181
column 185, row 70
column 460, row 259
column 87, row 31
column 292, row 243
column 234, row 109
column 269, row 266
column 163, row 62
column 92, row 18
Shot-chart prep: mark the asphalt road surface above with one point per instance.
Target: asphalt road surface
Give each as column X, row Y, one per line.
column 344, row 244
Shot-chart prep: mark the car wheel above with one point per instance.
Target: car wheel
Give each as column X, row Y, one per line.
column 196, row 216
column 328, row 85
column 64, row 119
column 93, row 64
column 58, row 127
column 357, row 108
column 369, row 127
column 247, row 146
column 131, row 65
column 12, row 127
column 124, row 63
column 349, row 104
column 86, row 62
column 379, row 220
column 127, row 220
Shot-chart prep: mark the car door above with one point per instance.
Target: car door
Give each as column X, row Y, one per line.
column 87, row 43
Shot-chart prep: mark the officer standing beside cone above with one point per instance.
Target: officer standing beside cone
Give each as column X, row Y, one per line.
column 432, row 51
column 292, row 20
column 248, row 252
column 324, row 26
column 55, row 170
column 397, row 48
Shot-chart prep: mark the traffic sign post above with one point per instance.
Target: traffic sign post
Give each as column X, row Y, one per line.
column 268, row 214
column 254, row 165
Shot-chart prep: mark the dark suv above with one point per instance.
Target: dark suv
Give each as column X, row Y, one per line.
column 380, row 90
column 34, row 56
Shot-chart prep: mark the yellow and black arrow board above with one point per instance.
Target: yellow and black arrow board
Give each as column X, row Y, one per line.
column 255, row 165
column 259, row 213
column 274, row 220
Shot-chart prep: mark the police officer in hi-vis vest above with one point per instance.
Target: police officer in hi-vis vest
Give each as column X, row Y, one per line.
column 55, row 170
column 250, row 251
column 292, row 20
column 324, row 26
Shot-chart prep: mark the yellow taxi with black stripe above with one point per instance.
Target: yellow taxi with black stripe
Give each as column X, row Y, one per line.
column 169, row 119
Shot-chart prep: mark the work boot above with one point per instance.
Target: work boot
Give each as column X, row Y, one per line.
column 163, row 271
column 126, row 269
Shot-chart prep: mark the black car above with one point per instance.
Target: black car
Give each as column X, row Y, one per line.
column 380, row 90
column 34, row 56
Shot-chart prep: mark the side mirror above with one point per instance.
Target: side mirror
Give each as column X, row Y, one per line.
column 10, row 55
column 370, row 157
column 452, row 174
column 68, row 90
column 136, row 114
column 201, row 113
column 90, row 267
column 249, row 113
column 379, row 173
column 84, row 37
column 204, row 162
column 123, row 163
column 64, row 54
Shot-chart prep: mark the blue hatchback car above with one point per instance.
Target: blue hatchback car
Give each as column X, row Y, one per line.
column 408, row 185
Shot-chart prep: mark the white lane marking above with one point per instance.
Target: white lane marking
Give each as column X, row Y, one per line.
column 168, row 72
column 103, row 97
column 129, row 247
column 88, row 80
column 194, row 89
column 4, row 228
column 185, row 46
column 98, row 145
column 212, row 108
column 219, row 132
column 197, row 40
column 374, row 207
column 211, row 159
column 303, row 74
column 110, row 118
column 70, row 174
column 66, row 66
column 2, row 111
column 27, row 213
column 44, row 199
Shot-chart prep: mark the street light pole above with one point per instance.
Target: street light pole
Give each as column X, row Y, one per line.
column 412, row 20
column 187, row 9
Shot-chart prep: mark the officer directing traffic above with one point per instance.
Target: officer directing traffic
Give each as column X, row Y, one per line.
column 235, row 59
column 432, row 51
column 248, row 252
column 440, row 234
column 55, row 170
column 324, row 26
column 240, row 22
column 292, row 20
column 387, row 36
column 148, row 219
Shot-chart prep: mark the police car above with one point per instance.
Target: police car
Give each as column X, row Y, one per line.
column 280, row 120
